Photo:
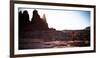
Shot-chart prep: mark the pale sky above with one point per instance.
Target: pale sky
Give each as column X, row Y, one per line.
column 64, row 19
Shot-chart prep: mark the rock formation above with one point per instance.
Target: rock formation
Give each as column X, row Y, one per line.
column 37, row 22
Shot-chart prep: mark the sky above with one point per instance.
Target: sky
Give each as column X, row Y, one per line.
column 62, row 19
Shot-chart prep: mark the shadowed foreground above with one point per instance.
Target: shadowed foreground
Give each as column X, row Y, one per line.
column 54, row 39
